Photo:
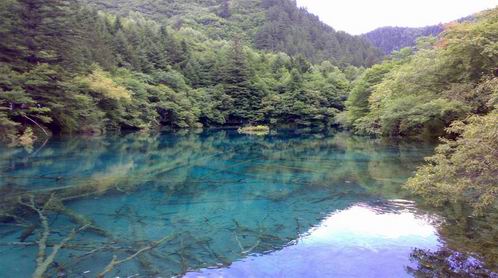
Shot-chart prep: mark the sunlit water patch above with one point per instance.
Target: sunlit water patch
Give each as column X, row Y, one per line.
column 213, row 204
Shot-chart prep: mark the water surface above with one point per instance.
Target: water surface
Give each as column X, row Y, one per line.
column 221, row 204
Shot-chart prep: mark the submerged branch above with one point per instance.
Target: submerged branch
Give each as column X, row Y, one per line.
column 43, row 261
column 43, row 265
column 252, row 247
column 115, row 262
column 42, row 243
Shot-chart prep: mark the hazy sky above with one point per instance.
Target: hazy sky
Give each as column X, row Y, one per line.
column 360, row 16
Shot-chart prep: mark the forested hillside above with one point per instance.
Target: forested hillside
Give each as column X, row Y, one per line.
column 277, row 25
column 390, row 39
column 66, row 68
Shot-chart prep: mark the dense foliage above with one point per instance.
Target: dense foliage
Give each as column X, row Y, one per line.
column 466, row 169
column 277, row 25
column 68, row 69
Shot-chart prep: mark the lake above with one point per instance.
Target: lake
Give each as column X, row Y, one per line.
column 218, row 204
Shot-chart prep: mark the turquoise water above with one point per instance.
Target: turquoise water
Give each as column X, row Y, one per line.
column 217, row 204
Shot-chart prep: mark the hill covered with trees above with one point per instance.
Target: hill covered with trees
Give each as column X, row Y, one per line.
column 276, row 25
column 390, row 39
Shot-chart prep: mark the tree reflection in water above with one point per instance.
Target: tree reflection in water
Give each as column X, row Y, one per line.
column 447, row 263
column 173, row 204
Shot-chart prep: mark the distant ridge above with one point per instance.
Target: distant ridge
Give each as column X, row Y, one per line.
column 389, row 39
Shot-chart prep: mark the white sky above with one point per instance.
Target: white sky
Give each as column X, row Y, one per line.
column 360, row 16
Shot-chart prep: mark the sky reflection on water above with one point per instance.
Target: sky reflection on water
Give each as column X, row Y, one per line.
column 360, row 241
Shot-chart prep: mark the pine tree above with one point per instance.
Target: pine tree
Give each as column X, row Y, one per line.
column 46, row 27
column 122, row 50
column 164, row 42
column 236, row 79
column 10, row 42
column 117, row 26
column 17, row 106
column 99, row 41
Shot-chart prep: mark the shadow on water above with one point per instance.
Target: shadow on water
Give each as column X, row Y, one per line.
column 214, row 203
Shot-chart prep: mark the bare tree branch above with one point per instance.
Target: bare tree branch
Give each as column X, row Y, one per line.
column 37, row 124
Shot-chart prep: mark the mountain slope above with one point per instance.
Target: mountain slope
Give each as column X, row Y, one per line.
column 296, row 31
column 276, row 25
column 390, row 39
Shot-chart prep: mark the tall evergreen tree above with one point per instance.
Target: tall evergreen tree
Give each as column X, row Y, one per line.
column 237, row 83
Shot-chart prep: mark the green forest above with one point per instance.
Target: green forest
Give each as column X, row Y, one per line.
column 67, row 68
column 98, row 67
